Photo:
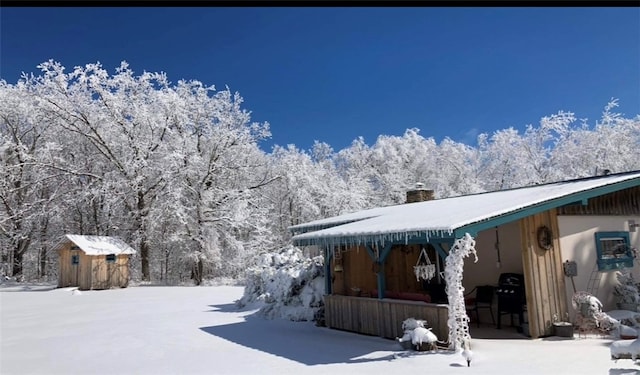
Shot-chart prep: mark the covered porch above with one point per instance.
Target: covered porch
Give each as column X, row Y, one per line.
column 373, row 292
column 370, row 254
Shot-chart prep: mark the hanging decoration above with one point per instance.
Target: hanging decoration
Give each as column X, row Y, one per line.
column 424, row 269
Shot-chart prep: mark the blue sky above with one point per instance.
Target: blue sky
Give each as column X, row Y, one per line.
column 335, row 73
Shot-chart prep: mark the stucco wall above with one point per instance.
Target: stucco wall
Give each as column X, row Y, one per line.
column 577, row 243
column 486, row 271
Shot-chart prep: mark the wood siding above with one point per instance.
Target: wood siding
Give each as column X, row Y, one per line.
column 399, row 274
column 383, row 317
column 358, row 274
column 544, row 278
column 91, row 272
column 70, row 274
column 107, row 275
column 623, row 202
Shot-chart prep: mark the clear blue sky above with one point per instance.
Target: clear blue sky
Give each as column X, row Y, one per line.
column 333, row 74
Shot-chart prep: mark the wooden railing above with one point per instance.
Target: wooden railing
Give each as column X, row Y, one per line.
column 383, row 317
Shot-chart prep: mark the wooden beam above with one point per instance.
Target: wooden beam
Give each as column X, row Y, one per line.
column 371, row 252
column 385, row 252
column 441, row 251
column 381, row 281
column 328, row 256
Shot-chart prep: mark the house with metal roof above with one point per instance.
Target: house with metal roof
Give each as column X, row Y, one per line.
column 555, row 238
column 93, row 262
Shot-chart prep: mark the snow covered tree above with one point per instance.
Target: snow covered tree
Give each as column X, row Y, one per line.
column 28, row 185
column 217, row 169
column 149, row 138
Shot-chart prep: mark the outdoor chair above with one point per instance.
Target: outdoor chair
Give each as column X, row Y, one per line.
column 483, row 299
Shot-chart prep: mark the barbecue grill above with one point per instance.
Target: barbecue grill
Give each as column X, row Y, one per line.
column 511, row 297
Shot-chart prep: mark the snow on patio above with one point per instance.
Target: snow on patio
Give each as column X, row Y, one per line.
column 199, row 330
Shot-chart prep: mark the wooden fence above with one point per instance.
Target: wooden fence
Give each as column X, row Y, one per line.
column 383, row 317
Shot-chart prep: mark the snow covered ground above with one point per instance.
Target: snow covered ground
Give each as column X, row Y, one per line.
column 199, row 330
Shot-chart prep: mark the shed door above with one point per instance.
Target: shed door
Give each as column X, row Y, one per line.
column 74, row 276
column 111, row 262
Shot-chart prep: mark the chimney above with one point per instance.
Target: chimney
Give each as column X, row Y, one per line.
column 419, row 194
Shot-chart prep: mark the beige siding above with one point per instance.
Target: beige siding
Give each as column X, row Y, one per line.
column 64, row 267
column 544, row 278
column 91, row 272
column 107, row 275
column 84, row 271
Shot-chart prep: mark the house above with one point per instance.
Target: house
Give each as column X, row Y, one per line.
column 554, row 238
column 93, row 262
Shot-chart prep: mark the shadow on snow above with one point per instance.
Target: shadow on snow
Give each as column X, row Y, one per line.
column 304, row 342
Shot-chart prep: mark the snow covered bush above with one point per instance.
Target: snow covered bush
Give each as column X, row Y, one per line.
column 413, row 323
column 626, row 291
column 286, row 284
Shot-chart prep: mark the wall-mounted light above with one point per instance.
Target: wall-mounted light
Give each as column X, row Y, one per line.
column 338, row 268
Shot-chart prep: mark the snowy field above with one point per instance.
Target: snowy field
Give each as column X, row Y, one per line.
column 199, row 330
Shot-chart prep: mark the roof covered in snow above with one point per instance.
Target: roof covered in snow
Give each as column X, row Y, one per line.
column 452, row 217
column 97, row 245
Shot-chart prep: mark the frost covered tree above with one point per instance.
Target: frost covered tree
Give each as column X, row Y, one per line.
column 613, row 143
column 29, row 186
column 139, row 139
column 177, row 171
column 217, row 168
column 127, row 120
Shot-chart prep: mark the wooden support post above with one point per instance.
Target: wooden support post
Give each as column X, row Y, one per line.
column 328, row 255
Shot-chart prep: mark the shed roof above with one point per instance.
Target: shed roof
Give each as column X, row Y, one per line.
column 97, row 245
column 452, row 217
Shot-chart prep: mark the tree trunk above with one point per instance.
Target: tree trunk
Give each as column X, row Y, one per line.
column 18, row 255
column 17, row 264
column 144, row 244
column 42, row 272
column 144, row 258
column 196, row 272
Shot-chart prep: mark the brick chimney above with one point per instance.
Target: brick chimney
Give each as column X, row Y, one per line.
column 419, row 194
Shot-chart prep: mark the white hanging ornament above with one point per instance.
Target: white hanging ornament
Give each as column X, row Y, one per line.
column 426, row 270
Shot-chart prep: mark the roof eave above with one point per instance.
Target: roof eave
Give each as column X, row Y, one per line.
column 580, row 197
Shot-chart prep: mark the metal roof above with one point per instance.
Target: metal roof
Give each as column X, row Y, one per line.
column 97, row 245
column 452, row 217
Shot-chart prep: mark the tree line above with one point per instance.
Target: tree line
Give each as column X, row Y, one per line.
column 176, row 170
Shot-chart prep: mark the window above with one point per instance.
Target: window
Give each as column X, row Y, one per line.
column 111, row 258
column 614, row 250
column 75, row 259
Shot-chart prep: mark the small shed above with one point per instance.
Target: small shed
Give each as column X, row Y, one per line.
column 93, row 262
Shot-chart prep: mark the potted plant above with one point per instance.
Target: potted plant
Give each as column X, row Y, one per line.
column 562, row 328
column 627, row 291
